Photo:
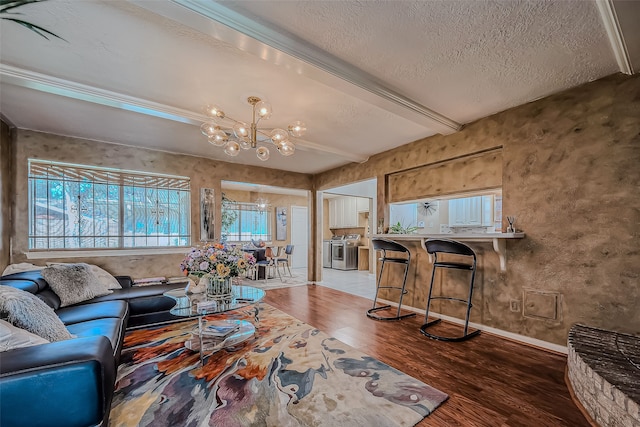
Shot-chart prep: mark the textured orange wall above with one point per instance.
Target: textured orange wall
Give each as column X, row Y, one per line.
column 204, row 173
column 570, row 175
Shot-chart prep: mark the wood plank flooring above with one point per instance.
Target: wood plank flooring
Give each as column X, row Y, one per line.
column 490, row 381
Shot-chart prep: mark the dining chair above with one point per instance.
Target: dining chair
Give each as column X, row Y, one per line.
column 284, row 262
column 269, row 264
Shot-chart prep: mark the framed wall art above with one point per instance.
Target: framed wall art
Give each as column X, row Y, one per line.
column 207, row 214
column 281, row 223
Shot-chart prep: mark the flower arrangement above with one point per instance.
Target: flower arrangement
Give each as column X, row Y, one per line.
column 216, row 260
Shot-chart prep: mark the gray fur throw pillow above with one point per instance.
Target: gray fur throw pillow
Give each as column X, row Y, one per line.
column 27, row 311
column 73, row 283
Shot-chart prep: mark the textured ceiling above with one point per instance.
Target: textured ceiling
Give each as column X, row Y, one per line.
column 464, row 59
column 140, row 72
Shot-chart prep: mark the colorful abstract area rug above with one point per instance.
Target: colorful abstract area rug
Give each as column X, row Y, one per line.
column 290, row 374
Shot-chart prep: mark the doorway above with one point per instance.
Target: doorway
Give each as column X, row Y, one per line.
column 299, row 236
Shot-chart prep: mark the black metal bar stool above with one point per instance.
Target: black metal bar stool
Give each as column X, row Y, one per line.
column 384, row 246
column 437, row 247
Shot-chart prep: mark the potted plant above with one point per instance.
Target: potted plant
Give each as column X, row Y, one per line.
column 214, row 265
column 400, row 229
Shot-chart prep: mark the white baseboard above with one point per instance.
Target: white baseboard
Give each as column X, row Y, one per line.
column 499, row 332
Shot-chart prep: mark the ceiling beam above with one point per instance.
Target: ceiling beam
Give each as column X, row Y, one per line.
column 284, row 49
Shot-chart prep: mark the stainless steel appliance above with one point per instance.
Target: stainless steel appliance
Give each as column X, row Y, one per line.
column 326, row 253
column 326, row 250
column 344, row 253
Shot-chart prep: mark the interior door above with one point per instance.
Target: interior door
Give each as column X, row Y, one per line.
column 299, row 236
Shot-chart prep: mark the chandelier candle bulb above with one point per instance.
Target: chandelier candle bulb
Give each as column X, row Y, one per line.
column 237, row 135
column 213, row 111
column 278, row 136
column 232, row 148
column 297, row 129
column 218, row 137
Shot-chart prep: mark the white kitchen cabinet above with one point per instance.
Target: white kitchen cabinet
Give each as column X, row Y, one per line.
column 362, row 204
column 335, row 213
column 343, row 212
column 466, row 212
column 349, row 212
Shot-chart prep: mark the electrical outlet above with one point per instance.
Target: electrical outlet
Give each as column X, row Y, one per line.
column 514, row 305
column 421, row 224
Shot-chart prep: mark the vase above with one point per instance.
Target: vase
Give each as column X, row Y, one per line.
column 197, row 285
column 218, row 288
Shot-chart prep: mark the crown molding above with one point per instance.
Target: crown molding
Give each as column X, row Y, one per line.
column 79, row 91
column 614, row 32
column 334, row 68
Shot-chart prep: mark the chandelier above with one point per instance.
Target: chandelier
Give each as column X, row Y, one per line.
column 262, row 203
column 224, row 131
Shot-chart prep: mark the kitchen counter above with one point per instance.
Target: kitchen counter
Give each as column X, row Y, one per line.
column 499, row 240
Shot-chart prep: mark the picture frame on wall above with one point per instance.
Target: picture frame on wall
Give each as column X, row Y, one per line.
column 281, row 223
column 207, row 214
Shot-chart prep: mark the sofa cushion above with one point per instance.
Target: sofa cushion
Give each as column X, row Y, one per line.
column 110, row 327
column 12, row 337
column 73, row 283
column 22, row 284
column 27, row 311
column 65, row 384
column 34, row 275
column 97, row 310
column 143, row 299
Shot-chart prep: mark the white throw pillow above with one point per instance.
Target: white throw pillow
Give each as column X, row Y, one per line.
column 19, row 268
column 14, row 337
column 73, row 283
column 27, row 311
column 107, row 280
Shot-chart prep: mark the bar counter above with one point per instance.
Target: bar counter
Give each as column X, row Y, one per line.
column 488, row 293
column 499, row 240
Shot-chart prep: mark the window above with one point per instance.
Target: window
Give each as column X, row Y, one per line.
column 478, row 210
column 250, row 222
column 85, row 207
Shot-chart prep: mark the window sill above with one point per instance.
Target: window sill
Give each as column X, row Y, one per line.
column 105, row 253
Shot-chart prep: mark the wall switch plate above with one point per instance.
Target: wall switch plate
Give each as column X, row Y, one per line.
column 514, row 305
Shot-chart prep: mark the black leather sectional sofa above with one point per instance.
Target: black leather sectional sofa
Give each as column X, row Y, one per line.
column 71, row 383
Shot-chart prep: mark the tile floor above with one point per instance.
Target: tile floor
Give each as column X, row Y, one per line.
column 354, row 282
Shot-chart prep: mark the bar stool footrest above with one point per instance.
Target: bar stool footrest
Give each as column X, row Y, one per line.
column 371, row 315
column 423, row 330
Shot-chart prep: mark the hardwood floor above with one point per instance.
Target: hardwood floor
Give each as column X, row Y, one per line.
column 490, row 381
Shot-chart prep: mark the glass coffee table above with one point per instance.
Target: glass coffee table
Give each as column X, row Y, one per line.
column 216, row 335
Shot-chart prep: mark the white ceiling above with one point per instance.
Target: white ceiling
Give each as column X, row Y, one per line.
column 364, row 76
